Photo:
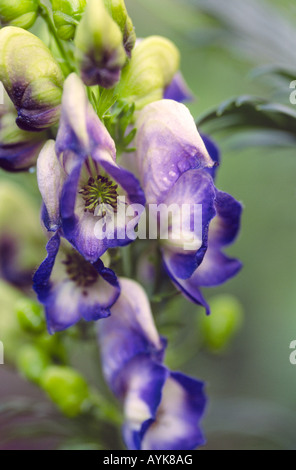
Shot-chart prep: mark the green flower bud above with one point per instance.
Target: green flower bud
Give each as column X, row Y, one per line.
column 118, row 11
column 154, row 63
column 30, row 315
column 31, row 77
column 221, row 326
column 21, row 13
column 66, row 388
column 66, row 16
column 99, row 50
column 32, row 362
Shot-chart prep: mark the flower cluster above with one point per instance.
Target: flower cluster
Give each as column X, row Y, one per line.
column 105, row 119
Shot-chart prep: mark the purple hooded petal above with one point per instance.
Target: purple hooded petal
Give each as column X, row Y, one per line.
column 194, row 194
column 19, row 157
column 168, row 144
column 81, row 131
column 50, row 177
column 226, row 225
column 178, row 90
column 129, row 332
column 177, row 424
column 66, row 302
column 214, row 153
column 189, row 288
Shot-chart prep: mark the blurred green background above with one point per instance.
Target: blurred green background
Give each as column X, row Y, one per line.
column 252, row 386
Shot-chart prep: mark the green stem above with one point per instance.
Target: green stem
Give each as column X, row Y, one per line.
column 104, row 410
column 47, row 18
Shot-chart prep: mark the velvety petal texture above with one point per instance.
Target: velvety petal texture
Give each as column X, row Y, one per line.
column 162, row 409
column 168, row 144
column 71, row 288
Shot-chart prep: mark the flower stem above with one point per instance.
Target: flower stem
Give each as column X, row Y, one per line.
column 47, row 18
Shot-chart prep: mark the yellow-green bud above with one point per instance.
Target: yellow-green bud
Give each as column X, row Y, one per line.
column 32, row 362
column 66, row 16
column 99, row 46
column 118, row 11
column 221, row 326
column 21, row 13
column 66, row 388
column 30, row 315
column 31, row 77
column 154, row 63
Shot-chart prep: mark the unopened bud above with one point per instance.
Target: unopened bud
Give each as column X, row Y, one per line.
column 99, row 46
column 118, row 11
column 154, row 63
column 31, row 77
column 66, row 388
column 21, row 13
column 221, row 326
column 32, row 362
column 66, row 16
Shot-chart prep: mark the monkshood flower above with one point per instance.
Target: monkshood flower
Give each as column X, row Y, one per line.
column 71, row 288
column 215, row 267
column 21, row 13
column 162, row 409
column 31, row 77
column 66, row 16
column 18, row 149
column 173, row 171
column 86, row 182
column 100, row 53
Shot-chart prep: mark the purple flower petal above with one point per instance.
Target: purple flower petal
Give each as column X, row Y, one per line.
column 168, row 144
column 65, row 301
column 178, row 90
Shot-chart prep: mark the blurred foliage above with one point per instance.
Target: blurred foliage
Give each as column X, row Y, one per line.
column 252, row 385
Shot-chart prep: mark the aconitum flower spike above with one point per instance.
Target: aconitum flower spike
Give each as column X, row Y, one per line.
column 21, row 13
column 99, row 46
column 71, row 288
column 18, row 149
column 118, row 11
column 31, row 77
column 66, row 16
column 154, row 63
column 162, row 409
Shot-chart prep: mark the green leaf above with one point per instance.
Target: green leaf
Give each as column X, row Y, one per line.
column 247, row 113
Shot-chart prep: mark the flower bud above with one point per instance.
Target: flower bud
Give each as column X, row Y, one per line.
column 66, row 16
column 118, row 11
column 99, row 50
column 154, row 63
column 66, row 388
column 30, row 315
column 21, row 13
column 31, row 362
column 31, row 77
column 221, row 326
